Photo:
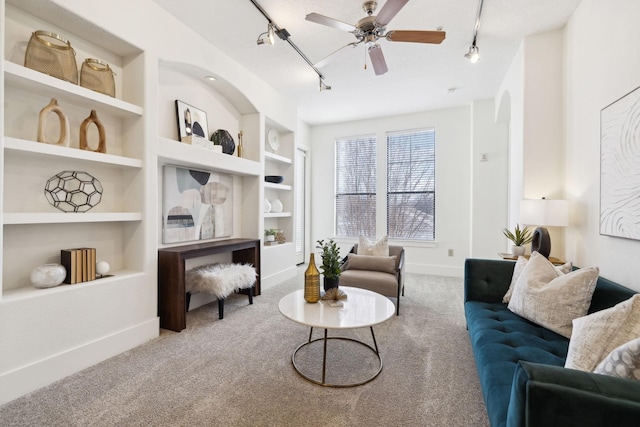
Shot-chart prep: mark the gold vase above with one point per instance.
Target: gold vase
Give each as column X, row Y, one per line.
column 312, row 282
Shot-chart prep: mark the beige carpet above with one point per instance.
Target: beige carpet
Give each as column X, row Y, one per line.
column 238, row 372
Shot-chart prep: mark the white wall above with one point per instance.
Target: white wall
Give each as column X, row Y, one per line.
column 534, row 85
column 489, row 181
column 601, row 65
column 455, row 140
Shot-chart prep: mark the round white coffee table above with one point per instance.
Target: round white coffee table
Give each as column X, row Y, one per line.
column 361, row 309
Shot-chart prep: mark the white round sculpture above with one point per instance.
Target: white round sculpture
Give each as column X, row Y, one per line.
column 267, row 206
column 102, row 268
column 48, row 275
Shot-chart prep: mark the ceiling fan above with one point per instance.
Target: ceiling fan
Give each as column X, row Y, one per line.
column 373, row 27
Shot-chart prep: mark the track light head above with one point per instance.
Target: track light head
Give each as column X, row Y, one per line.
column 267, row 37
column 324, row 86
column 473, row 55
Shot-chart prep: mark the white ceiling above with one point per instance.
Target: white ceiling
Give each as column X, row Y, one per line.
column 421, row 76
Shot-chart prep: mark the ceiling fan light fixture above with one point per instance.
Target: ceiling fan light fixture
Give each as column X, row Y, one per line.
column 473, row 55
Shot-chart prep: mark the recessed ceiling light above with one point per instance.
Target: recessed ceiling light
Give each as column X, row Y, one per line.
column 210, row 78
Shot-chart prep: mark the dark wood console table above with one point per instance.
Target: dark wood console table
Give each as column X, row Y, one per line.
column 171, row 265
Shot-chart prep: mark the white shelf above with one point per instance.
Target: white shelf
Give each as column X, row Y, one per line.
column 276, row 158
column 176, row 153
column 280, row 246
column 278, row 186
column 33, row 81
column 42, row 149
column 19, row 218
column 31, row 292
column 277, row 215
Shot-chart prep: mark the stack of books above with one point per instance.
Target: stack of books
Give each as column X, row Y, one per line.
column 80, row 264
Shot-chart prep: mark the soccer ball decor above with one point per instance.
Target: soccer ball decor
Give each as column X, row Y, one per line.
column 73, row 191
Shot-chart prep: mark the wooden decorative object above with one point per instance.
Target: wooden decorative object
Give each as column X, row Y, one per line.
column 102, row 141
column 53, row 107
column 240, row 147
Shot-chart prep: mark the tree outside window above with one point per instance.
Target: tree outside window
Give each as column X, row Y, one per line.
column 356, row 187
column 410, row 193
column 411, row 185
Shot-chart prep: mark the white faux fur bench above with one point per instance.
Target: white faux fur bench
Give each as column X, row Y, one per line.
column 220, row 280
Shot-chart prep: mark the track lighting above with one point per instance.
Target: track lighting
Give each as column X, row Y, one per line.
column 270, row 36
column 283, row 34
column 474, row 54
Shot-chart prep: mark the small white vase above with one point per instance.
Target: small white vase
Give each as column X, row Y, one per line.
column 267, row 206
column 276, row 206
column 48, row 275
column 517, row 250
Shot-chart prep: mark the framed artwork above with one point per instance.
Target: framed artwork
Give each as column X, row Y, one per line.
column 191, row 121
column 196, row 205
column 619, row 166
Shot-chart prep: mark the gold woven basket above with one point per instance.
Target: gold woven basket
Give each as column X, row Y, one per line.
column 97, row 75
column 51, row 54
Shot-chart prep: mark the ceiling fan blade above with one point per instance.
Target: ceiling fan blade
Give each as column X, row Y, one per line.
column 329, row 22
column 389, row 10
column 435, row 37
column 332, row 56
column 377, row 60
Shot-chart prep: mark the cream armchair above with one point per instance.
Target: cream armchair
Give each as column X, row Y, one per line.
column 384, row 275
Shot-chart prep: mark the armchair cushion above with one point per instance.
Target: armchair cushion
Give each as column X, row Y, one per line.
column 385, row 264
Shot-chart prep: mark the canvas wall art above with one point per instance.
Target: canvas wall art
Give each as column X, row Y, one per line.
column 619, row 166
column 191, row 121
column 197, row 205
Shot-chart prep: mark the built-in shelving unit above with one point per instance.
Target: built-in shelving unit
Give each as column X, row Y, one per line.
column 70, row 327
column 279, row 259
column 91, row 320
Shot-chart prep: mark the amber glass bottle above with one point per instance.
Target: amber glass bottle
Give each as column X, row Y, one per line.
column 312, row 281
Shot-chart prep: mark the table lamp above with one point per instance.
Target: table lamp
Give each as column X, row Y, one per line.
column 543, row 212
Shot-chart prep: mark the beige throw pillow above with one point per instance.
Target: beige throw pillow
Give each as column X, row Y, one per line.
column 517, row 270
column 598, row 334
column 386, row 264
column 378, row 248
column 622, row 362
column 549, row 298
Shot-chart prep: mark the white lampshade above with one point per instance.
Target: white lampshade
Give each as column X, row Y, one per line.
column 543, row 212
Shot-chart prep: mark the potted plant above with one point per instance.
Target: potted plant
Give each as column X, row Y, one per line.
column 519, row 237
column 330, row 267
column 270, row 234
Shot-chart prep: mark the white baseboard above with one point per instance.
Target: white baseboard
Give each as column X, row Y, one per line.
column 277, row 278
column 23, row 380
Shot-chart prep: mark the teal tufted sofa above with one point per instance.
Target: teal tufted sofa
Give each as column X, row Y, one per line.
column 521, row 364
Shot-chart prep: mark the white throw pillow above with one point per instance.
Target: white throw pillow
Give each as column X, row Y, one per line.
column 549, row 298
column 598, row 334
column 378, row 248
column 622, row 362
column 517, row 270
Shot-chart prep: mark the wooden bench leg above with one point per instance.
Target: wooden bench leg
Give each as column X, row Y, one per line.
column 220, row 308
column 250, row 292
column 188, row 300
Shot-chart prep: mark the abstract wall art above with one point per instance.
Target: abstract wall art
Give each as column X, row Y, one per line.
column 197, row 205
column 620, row 167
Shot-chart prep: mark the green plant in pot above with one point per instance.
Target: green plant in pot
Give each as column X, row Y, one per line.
column 519, row 237
column 330, row 253
column 270, row 234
